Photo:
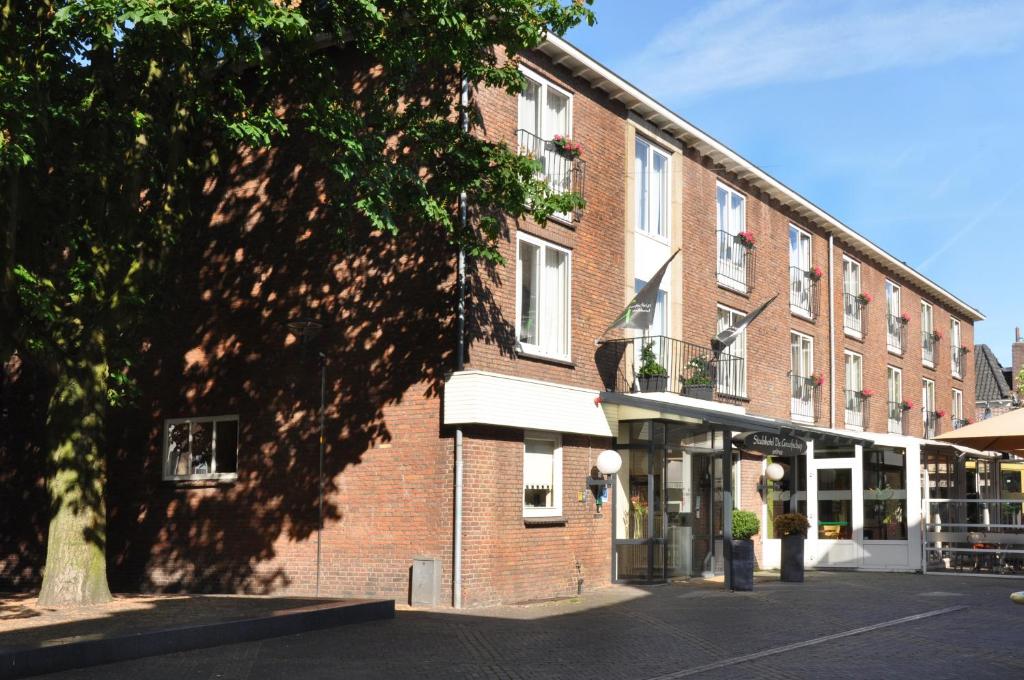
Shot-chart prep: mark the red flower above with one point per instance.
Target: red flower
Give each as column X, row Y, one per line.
column 819, row 380
column 906, row 405
column 865, row 298
column 867, row 392
column 746, row 238
column 940, row 413
column 905, row 316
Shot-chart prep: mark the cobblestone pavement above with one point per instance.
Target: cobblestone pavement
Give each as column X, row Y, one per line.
column 972, row 631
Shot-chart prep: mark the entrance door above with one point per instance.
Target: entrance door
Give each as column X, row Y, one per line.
column 836, row 522
column 640, row 534
column 682, row 510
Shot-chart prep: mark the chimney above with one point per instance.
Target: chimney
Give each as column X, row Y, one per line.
column 1018, row 361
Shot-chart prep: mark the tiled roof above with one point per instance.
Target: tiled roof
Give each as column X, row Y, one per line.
column 990, row 383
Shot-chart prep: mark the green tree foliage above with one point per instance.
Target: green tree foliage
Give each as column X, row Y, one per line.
column 114, row 114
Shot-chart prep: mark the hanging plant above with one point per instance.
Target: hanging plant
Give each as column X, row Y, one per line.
column 964, row 349
column 816, row 273
column 746, row 239
column 567, row 147
column 905, row 317
column 906, row 405
column 864, row 298
column 936, row 335
column 867, row 392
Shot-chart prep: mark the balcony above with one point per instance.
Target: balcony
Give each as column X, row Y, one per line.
column 803, row 293
column 932, row 424
column 562, row 173
column 957, row 355
column 928, row 343
column 735, row 263
column 960, row 422
column 853, row 315
column 856, row 409
column 805, row 397
column 678, row 368
column 896, row 333
column 899, row 423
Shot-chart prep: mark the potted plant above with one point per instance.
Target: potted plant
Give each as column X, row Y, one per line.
column 745, row 526
column 792, row 527
column 936, row 335
column 905, row 318
column 906, row 405
column 651, row 375
column 697, row 383
column 816, row 273
column 746, row 239
column 567, row 147
column 867, row 392
column 864, row 298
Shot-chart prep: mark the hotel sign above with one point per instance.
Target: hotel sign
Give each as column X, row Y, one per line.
column 774, row 444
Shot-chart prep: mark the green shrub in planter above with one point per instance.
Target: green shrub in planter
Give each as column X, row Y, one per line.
column 792, row 527
column 745, row 525
column 741, row 550
column 790, row 523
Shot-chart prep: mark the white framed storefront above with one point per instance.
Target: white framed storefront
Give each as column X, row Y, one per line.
column 833, row 544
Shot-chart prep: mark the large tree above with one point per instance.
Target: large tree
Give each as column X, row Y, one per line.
column 114, row 116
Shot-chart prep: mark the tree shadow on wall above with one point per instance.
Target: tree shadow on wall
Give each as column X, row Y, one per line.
column 221, row 345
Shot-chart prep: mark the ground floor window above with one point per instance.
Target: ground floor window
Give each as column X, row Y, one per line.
column 835, row 503
column 885, row 494
column 542, row 475
column 201, row 448
column 789, row 494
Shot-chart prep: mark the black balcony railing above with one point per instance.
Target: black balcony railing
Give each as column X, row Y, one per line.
column 957, row 362
column 735, row 262
column 805, row 397
column 928, row 343
column 854, row 313
column 803, row 292
column 932, row 424
column 563, row 173
column 681, row 368
column 959, row 422
column 896, row 333
column 899, row 422
column 856, row 409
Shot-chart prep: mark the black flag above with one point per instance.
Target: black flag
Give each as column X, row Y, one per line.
column 639, row 313
column 729, row 335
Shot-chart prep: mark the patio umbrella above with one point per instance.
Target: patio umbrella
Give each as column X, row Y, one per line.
column 1002, row 433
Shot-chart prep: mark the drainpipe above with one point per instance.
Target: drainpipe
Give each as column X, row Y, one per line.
column 831, row 333
column 460, row 364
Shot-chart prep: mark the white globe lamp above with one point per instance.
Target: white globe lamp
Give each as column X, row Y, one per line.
column 609, row 462
column 775, row 472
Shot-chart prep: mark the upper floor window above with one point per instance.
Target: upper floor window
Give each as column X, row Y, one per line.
column 956, row 352
column 895, row 321
column 958, row 409
column 201, row 448
column 853, row 299
column 545, row 112
column 928, row 336
column 896, row 403
column 542, row 475
column 802, row 278
column 734, row 241
column 803, row 381
column 543, row 302
column 928, row 410
column 732, row 365
column 853, row 385
column 652, row 189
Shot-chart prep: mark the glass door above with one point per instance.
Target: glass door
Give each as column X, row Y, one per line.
column 639, row 542
column 680, row 512
column 836, row 522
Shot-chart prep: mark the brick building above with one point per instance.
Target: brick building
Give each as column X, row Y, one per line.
column 483, row 472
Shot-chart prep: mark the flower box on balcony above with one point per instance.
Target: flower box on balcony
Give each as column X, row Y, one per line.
column 705, row 391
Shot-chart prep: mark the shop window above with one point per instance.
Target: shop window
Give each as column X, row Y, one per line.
column 885, row 495
column 201, row 448
column 542, row 476
column 789, row 494
column 835, row 504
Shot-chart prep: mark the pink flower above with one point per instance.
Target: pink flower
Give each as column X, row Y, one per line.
column 557, row 138
column 940, row 413
column 867, row 392
column 905, row 316
column 819, row 380
column 906, row 405
column 818, row 271
column 746, row 238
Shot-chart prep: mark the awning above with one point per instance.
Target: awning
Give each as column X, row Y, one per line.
column 633, row 407
column 1001, row 433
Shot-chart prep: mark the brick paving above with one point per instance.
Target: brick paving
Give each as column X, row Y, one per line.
column 655, row 632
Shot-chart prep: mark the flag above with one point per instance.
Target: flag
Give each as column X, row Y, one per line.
column 729, row 335
column 639, row 313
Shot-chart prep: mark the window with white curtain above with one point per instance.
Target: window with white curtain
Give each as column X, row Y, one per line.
column 894, row 324
column 802, row 379
column 652, row 189
column 895, row 380
column 799, row 271
column 928, row 407
column 543, row 302
column 732, row 255
column 545, row 111
column 958, row 409
column 957, row 357
column 853, row 309
column 542, row 475
column 927, row 336
column 732, row 365
column 854, row 387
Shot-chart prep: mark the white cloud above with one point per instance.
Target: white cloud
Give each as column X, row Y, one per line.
column 742, row 43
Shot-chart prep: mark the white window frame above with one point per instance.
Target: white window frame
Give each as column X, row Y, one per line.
column 927, row 327
column 726, row 371
column 851, row 358
column 853, row 292
column 556, row 482
column 800, row 405
column 168, row 474
column 957, row 408
column 642, row 199
column 529, row 348
column 894, row 376
column 894, row 343
column 956, row 339
column 799, row 281
column 727, row 242
column 544, row 132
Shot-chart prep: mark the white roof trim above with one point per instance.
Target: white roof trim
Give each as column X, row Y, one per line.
column 645, row 106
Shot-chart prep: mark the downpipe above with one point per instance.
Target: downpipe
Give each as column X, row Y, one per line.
column 460, row 363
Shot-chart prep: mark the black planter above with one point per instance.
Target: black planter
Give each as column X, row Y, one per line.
column 793, row 558
column 705, row 392
column 741, row 566
column 653, row 383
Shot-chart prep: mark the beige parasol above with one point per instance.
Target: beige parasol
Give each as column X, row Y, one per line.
column 1001, row 433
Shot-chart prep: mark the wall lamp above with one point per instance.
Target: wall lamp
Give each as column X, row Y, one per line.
column 774, row 473
column 602, row 475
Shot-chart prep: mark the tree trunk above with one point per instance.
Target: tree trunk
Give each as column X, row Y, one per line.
column 76, row 563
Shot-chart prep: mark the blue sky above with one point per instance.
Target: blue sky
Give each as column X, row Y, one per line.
column 905, row 120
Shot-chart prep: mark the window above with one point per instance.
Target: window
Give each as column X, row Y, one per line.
column 895, row 380
column 201, row 448
column 652, row 189
column 928, row 408
column 800, row 279
column 835, row 503
column 545, row 111
column 732, row 364
column 542, row 475
column 927, row 336
column 853, row 307
column 957, row 356
column 894, row 322
column 803, row 382
column 854, row 386
column 885, row 494
column 542, row 306
column 958, row 409
column 732, row 254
